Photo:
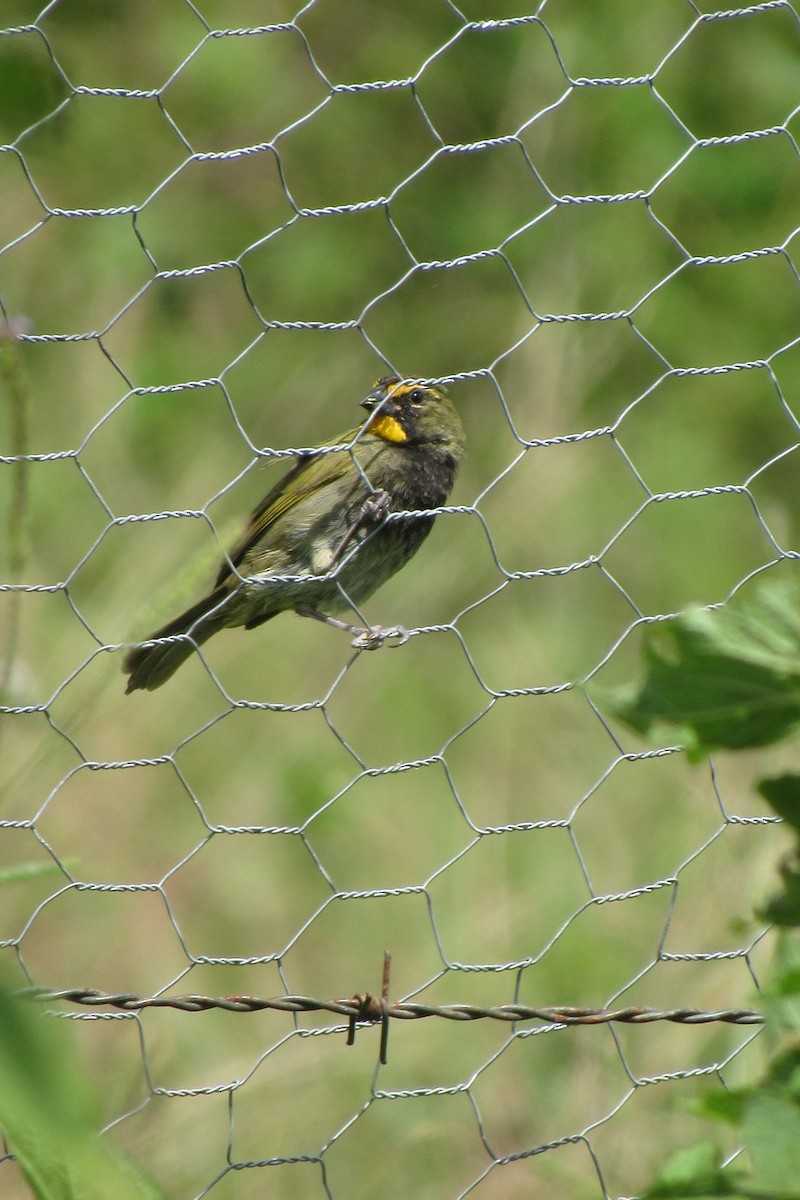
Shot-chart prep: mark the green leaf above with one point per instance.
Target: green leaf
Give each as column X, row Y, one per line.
column 784, row 907
column 694, row 1172
column 723, row 679
column 772, row 1136
column 33, row 870
column 47, row 1114
column 784, row 1072
column 728, row 1107
column 783, row 794
column 780, row 998
column 787, row 984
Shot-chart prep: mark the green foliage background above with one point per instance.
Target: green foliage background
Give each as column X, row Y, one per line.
column 618, row 824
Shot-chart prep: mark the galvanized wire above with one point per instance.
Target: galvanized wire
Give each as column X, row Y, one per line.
column 506, row 1137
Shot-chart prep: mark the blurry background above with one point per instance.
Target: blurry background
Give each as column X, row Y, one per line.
column 219, row 223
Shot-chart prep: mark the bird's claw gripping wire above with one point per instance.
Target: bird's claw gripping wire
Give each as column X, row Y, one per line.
column 363, row 638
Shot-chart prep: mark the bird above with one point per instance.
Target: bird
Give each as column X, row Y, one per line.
column 323, row 539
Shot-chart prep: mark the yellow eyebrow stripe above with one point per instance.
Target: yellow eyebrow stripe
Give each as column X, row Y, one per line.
column 403, row 389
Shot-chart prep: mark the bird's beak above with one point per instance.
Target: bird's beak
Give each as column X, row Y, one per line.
column 376, row 396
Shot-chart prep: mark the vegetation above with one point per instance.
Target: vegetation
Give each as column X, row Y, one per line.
column 731, row 680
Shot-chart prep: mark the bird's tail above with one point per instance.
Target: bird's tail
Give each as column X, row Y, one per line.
column 150, row 666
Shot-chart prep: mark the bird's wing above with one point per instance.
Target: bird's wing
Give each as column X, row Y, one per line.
column 311, row 473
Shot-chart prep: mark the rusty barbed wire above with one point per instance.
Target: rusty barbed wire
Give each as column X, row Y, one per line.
column 369, row 1009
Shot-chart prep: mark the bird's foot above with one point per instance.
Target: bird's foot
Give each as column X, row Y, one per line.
column 373, row 511
column 376, row 506
column 373, row 639
column 363, row 639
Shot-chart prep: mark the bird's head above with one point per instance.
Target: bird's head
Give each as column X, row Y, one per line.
column 408, row 412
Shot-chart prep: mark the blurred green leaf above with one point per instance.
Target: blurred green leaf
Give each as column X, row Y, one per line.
column 34, row 870
column 727, row 1107
column 695, row 1172
column 724, row 679
column 784, row 1071
column 784, row 907
column 772, row 1135
column 788, row 984
column 780, row 999
column 767, row 1117
column 47, row 1115
column 783, row 794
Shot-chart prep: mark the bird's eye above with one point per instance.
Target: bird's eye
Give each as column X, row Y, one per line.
column 417, row 396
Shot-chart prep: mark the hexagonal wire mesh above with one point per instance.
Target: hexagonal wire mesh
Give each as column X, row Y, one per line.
column 212, row 239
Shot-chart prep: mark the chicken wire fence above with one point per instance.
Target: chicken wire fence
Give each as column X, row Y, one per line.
column 214, row 236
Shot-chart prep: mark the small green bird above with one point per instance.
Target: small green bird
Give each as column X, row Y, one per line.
column 322, row 538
